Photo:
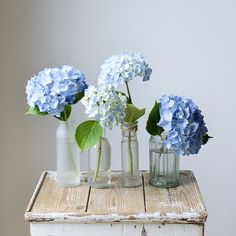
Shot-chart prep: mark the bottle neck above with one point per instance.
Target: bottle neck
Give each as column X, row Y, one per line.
column 67, row 127
column 160, row 143
column 104, row 132
column 129, row 131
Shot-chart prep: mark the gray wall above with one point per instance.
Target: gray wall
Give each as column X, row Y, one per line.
column 191, row 48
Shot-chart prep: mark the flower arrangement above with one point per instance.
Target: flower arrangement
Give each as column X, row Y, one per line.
column 110, row 107
column 177, row 128
column 53, row 91
column 180, row 124
column 176, row 120
column 107, row 107
column 121, row 69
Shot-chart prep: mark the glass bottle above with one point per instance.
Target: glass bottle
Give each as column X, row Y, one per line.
column 164, row 164
column 99, row 164
column 131, row 176
column 68, row 174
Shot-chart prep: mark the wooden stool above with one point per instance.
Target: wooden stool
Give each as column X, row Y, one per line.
column 145, row 210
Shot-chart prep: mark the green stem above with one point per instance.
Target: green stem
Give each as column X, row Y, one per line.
column 98, row 159
column 130, row 155
column 129, row 137
column 162, row 147
column 156, row 167
column 129, row 95
column 69, row 148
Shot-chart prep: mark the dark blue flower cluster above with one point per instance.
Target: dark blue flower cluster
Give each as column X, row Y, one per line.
column 183, row 124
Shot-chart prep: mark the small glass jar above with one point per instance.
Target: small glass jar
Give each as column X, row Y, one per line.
column 131, row 176
column 68, row 172
column 164, row 164
column 99, row 163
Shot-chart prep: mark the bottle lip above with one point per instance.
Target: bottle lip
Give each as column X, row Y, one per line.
column 129, row 126
column 163, row 136
column 156, row 138
column 160, row 140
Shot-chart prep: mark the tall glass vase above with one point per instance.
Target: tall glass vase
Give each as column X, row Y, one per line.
column 68, row 173
column 131, row 176
column 164, row 164
column 99, row 163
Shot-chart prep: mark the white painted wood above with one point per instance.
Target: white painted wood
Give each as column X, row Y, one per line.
column 54, row 229
column 174, row 230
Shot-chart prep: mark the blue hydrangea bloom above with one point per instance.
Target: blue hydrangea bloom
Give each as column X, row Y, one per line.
column 122, row 68
column 183, row 123
column 51, row 89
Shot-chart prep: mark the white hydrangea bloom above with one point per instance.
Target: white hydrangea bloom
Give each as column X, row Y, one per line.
column 105, row 105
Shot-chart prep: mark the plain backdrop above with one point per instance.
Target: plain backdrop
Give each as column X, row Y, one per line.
column 191, row 46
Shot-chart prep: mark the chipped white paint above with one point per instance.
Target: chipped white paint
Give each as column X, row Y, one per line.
column 46, row 229
column 138, row 218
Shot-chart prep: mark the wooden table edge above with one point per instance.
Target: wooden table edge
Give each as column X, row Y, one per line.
column 142, row 217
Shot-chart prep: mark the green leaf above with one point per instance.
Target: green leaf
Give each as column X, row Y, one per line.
column 35, row 111
column 88, row 134
column 133, row 113
column 78, row 97
column 64, row 115
column 206, row 137
column 153, row 118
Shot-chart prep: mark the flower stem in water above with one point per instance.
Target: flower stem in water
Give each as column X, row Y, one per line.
column 130, row 155
column 70, row 151
column 98, row 159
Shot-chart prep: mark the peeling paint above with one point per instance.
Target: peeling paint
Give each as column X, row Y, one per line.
column 141, row 217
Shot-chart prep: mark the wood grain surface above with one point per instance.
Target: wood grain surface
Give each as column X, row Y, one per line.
column 183, row 204
column 116, row 200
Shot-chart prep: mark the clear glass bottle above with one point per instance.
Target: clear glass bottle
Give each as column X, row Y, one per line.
column 164, row 164
column 68, row 172
column 131, row 176
column 99, row 163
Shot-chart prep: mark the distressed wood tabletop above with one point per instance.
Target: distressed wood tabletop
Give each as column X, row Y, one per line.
column 82, row 204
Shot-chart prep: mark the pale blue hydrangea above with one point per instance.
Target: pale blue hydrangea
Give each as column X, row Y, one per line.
column 105, row 105
column 122, row 68
column 183, row 123
column 51, row 89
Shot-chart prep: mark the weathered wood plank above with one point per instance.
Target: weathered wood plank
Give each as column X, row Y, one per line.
column 187, row 196
column 36, row 191
column 50, row 199
column 157, row 199
column 183, row 203
column 116, row 200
